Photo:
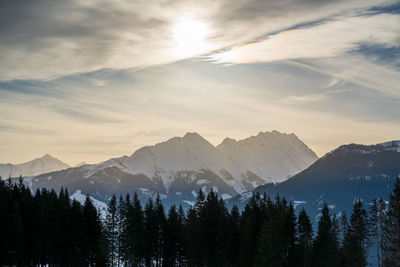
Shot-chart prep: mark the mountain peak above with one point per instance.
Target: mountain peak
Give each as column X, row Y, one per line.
column 228, row 140
column 47, row 156
column 81, row 164
column 192, row 135
column 195, row 138
column 272, row 133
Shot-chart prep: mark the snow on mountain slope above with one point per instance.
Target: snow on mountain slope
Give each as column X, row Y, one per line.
column 182, row 165
column 190, row 152
column 243, row 165
column 393, row 145
column 34, row 167
column 270, row 154
column 99, row 205
column 9, row 170
column 41, row 165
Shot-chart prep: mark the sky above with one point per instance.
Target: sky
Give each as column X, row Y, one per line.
column 90, row 80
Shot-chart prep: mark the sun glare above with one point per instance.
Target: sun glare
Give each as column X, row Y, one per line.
column 190, row 37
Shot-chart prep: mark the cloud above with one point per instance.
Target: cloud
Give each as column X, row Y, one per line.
column 132, row 109
column 332, row 38
column 44, row 39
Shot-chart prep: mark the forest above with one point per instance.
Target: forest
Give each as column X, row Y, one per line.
column 47, row 228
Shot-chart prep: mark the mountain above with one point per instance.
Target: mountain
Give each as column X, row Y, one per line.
column 180, row 166
column 34, row 167
column 263, row 154
column 338, row 178
column 81, row 164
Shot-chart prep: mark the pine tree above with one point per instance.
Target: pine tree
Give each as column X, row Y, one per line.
column 391, row 229
column 135, row 232
column 251, row 222
column 323, row 243
column 377, row 216
column 94, row 246
column 357, row 237
column 111, row 227
column 170, row 237
column 160, row 220
column 193, row 249
column 234, row 247
column 123, row 243
column 290, row 231
column 150, row 233
column 343, row 247
column 180, row 245
column 272, row 243
column 335, row 231
column 304, row 239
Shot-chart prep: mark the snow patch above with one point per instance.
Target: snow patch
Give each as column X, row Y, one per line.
column 298, row 202
column 246, row 196
column 99, row 205
column 225, row 196
column 191, row 203
column 202, row 181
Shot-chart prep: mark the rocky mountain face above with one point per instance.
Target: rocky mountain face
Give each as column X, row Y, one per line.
column 347, row 173
column 37, row 166
column 179, row 167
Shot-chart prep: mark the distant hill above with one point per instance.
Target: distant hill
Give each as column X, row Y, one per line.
column 338, row 178
column 34, row 167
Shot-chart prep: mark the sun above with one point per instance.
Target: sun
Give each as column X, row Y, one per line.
column 190, row 37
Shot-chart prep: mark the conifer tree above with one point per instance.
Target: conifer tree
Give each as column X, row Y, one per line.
column 343, row 232
column 193, row 250
column 290, row 231
column 123, row 243
column 180, row 245
column 160, row 220
column 304, row 239
column 135, row 232
column 170, row 237
column 391, row 229
column 150, row 234
column 335, row 246
column 377, row 216
column 251, row 222
column 272, row 244
column 323, row 243
column 234, row 247
column 357, row 237
column 111, row 227
column 94, row 247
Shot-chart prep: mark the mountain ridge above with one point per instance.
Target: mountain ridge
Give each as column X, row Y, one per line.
column 180, row 166
column 37, row 166
column 351, row 171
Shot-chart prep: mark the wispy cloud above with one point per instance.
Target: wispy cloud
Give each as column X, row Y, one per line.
column 39, row 41
column 333, row 38
column 96, row 83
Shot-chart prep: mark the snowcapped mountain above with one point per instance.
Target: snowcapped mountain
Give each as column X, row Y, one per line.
column 277, row 155
column 342, row 175
column 34, row 167
column 180, row 166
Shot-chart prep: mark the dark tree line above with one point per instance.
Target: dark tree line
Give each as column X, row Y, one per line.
column 47, row 228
